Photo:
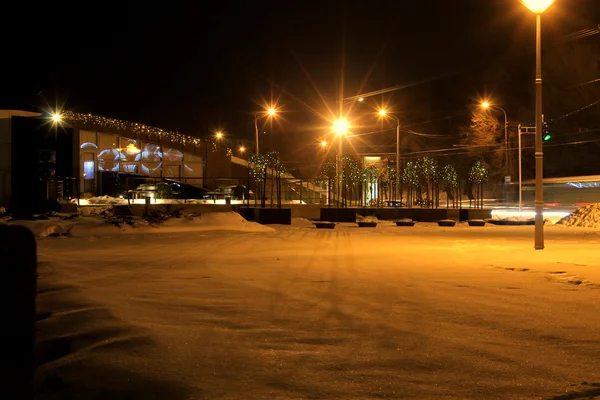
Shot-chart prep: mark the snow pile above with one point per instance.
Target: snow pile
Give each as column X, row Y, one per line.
column 102, row 200
column 93, row 210
column 223, row 221
column 585, row 217
column 302, row 223
column 512, row 219
column 52, row 227
column 100, row 226
column 368, row 218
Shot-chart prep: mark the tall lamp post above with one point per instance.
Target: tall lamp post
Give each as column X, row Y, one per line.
column 486, row 105
column 538, row 7
column 384, row 113
column 340, row 128
column 270, row 113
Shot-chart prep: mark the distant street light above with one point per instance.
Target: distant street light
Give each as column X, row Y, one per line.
column 271, row 112
column 383, row 113
column 219, row 135
column 56, row 118
column 242, row 149
column 538, row 7
column 323, row 144
column 486, row 105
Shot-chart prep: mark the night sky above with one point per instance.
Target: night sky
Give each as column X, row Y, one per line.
column 199, row 66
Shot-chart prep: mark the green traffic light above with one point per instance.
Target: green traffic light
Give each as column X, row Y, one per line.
column 547, row 137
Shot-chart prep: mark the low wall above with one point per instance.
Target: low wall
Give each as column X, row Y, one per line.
column 416, row 214
column 317, row 213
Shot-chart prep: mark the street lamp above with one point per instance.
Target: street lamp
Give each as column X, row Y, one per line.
column 56, row 118
column 538, row 7
column 242, row 149
column 486, row 105
column 323, row 144
column 383, row 113
column 340, row 128
column 219, row 135
column 271, row 111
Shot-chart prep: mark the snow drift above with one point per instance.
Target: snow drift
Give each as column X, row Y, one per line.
column 585, row 217
column 99, row 226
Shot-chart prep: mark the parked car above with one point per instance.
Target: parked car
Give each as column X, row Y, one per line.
column 394, row 204
column 159, row 190
column 234, row 192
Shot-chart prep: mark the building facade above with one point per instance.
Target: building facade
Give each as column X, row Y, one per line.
column 43, row 160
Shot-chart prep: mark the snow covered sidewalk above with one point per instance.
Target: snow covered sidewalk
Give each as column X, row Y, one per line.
column 296, row 312
column 84, row 226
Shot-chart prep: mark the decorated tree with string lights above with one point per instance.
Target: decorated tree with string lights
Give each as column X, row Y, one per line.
column 449, row 178
column 258, row 165
column 351, row 178
column 390, row 174
column 478, row 176
column 370, row 179
column 277, row 170
column 410, row 178
column 328, row 177
column 427, row 169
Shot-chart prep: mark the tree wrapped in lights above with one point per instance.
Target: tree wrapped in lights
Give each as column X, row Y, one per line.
column 371, row 177
column 410, row 178
column 478, row 176
column 449, row 178
column 277, row 170
column 258, row 165
column 427, row 169
column 351, row 177
column 390, row 173
column 327, row 177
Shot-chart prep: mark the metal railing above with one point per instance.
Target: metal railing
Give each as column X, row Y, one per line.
column 275, row 192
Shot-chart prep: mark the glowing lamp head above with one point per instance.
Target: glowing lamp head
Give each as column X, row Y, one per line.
column 485, row 104
column 219, row 135
column 361, row 99
column 56, row 117
column 323, row 144
column 537, row 6
column 382, row 113
column 341, row 126
column 242, row 149
column 271, row 111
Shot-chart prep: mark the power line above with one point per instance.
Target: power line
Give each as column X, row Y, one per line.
column 398, row 87
column 586, row 83
column 583, row 33
column 576, row 111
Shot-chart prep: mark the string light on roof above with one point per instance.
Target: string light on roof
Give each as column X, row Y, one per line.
column 113, row 125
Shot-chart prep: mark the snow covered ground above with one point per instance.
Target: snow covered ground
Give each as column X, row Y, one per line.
column 299, row 313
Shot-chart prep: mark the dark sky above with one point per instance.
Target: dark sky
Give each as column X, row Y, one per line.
column 196, row 66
